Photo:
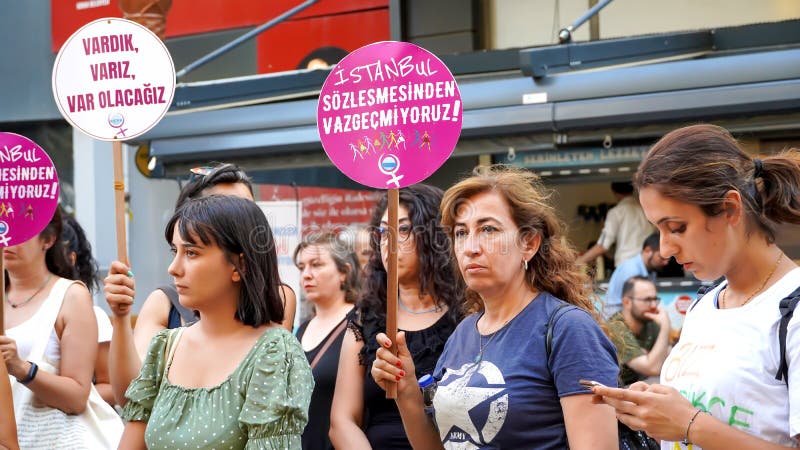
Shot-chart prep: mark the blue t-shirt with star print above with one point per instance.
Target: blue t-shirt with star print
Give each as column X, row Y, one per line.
column 509, row 399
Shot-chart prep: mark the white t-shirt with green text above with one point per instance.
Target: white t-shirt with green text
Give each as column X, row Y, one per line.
column 726, row 360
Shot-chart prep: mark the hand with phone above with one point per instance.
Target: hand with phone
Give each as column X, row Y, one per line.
column 661, row 411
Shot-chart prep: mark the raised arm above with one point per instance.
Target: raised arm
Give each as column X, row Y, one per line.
column 400, row 369
column 650, row 363
column 128, row 348
column 347, row 409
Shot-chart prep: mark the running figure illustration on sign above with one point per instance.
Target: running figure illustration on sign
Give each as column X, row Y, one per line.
column 426, row 140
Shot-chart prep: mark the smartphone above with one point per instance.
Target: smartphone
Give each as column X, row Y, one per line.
column 589, row 384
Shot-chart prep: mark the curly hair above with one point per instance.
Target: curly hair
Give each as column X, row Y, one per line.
column 74, row 240
column 552, row 268
column 436, row 270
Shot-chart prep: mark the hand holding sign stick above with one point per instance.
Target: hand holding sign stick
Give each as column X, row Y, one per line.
column 114, row 80
column 374, row 97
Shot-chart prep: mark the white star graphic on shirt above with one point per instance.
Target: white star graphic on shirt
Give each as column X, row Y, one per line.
column 464, row 398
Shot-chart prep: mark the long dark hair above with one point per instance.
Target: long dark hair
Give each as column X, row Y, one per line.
column 699, row 164
column 239, row 228
column 74, row 240
column 55, row 258
column 436, row 269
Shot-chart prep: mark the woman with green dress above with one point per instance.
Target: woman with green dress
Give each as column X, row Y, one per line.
column 236, row 379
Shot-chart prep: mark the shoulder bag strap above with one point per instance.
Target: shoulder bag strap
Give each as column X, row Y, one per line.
column 551, row 324
column 169, row 351
column 336, row 332
column 786, row 306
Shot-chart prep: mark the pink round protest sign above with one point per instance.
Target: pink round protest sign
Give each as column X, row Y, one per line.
column 28, row 189
column 389, row 114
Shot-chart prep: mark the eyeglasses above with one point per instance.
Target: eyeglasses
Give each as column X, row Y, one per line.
column 381, row 234
column 655, row 300
column 197, row 173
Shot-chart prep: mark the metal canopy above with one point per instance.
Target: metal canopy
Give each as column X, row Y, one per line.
column 544, row 61
column 208, row 120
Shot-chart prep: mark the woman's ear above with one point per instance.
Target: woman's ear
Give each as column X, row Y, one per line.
column 732, row 207
column 531, row 241
column 239, row 269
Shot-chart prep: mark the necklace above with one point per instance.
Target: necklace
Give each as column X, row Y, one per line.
column 25, row 302
column 774, row 268
column 411, row 311
column 479, row 356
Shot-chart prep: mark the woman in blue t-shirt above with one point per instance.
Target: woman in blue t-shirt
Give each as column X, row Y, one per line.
column 499, row 386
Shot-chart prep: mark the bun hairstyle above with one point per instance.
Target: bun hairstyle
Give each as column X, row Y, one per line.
column 699, row 164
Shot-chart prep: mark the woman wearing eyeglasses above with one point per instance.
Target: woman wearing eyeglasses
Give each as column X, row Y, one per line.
column 429, row 308
column 161, row 309
column 723, row 385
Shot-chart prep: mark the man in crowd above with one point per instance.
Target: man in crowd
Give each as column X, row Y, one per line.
column 625, row 225
column 641, row 331
column 645, row 264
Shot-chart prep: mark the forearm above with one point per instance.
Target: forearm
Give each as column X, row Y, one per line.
column 712, row 434
column 658, row 353
column 420, row 429
column 60, row 392
column 345, row 433
column 591, row 254
column 123, row 359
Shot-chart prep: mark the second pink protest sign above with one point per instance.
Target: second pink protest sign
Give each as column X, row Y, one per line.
column 389, row 114
column 28, row 189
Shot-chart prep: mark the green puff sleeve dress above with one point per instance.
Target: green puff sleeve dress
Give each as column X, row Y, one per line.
column 263, row 404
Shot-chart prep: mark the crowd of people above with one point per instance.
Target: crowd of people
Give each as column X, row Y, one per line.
column 502, row 341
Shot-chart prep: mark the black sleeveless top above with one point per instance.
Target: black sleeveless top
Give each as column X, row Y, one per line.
column 382, row 423
column 315, row 435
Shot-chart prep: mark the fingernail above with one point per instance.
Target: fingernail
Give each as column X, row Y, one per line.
column 397, row 378
column 130, row 274
column 402, row 373
column 399, row 364
column 387, row 344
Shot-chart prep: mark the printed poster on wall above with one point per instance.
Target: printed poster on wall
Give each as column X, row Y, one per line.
column 286, row 223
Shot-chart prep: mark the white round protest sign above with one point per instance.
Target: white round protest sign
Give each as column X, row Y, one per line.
column 113, row 79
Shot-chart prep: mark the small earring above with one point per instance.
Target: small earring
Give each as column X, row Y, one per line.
column 525, row 264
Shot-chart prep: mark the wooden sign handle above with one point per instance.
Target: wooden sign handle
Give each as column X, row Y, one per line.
column 391, row 281
column 119, row 203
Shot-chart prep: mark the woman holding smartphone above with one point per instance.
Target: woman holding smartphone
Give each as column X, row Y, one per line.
column 499, row 385
column 717, row 208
